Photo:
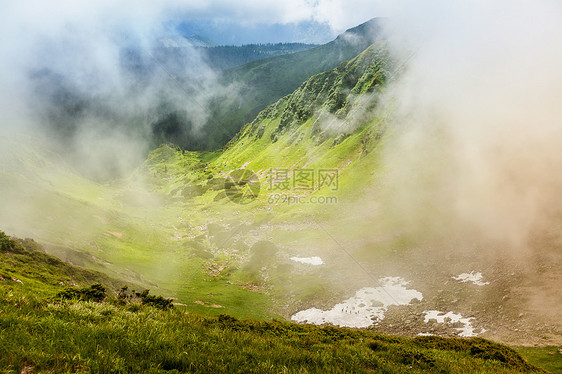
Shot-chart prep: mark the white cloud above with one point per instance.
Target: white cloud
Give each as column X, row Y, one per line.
column 49, row 16
column 91, row 29
column 342, row 14
column 479, row 118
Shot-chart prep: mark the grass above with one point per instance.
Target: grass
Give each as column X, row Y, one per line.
column 41, row 330
column 25, row 263
column 549, row 358
column 84, row 336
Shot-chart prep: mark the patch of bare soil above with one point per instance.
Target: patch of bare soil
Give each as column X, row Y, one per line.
column 207, row 305
column 517, row 301
column 113, row 233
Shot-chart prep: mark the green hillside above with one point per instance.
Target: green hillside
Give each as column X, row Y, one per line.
column 327, row 122
column 263, row 82
column 229, row 56
column 41, row 331
column 24, row 263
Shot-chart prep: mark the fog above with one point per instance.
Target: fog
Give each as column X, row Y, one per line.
column 475, row 136
column 93, row 79
column 470, row 155
column 476, row 128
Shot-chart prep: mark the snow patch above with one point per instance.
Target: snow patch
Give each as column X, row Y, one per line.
column 308, row 260
column 474, row 277
column 365, row 308
column 466, row 331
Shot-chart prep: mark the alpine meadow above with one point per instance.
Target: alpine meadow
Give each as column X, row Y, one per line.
column 281, row 187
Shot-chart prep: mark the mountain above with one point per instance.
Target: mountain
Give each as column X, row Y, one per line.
column 174, row 227
column 200, row 41
column 124, row 228
column 263, row 82
column 334, row 126
column 330, row 121
column 227, row 56
column 228, row 32
column 170, row 93
column 159, row 94
column 287, row 221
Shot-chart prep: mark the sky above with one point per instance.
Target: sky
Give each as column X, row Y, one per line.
column 337, row 15
column 227, row 22
column 292, row 18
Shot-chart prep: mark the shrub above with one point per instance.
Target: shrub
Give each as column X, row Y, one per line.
column 487, row 350
column 155, row 301
column 96, row 292
column 9, row 245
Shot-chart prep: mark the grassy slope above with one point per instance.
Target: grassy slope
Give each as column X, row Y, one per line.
column 40, row 333
column 351, row 150
column 229, row 56
column 124, row 230
column 24, row 264
column 279, row 138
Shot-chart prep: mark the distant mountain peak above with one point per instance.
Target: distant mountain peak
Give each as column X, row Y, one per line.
column 368, row 32
column 200, row 41
column 183, row 41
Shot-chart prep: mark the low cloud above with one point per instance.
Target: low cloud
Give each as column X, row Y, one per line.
column 94, row 78
column 94, row 71
column 476, row 131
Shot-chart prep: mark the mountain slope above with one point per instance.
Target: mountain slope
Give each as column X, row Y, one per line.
column 25, row 265
column 336, row 122
column 174, row 222
column 173, row 94
column 230, row 56
column 43, row 332
column 263, row 82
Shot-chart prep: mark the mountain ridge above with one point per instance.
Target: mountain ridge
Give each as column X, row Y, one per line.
column 263, row 82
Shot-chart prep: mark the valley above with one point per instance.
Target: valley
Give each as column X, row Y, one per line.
column 172, row 227
column 343, row 207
